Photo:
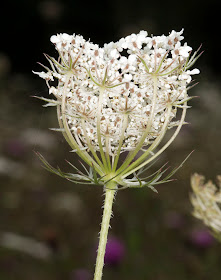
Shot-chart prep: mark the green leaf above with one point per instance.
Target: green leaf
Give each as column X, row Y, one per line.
column 155, row 172
column 57, row 129
column 69, row 176
column 94, row 174
column 84, row 167
column 177, row 168
column 45, row 67
column 53, row 101
column 185, row 100
column 143, row 169
column 53, row 62
column 144, row 63
column 152, row 188
column 78, row 170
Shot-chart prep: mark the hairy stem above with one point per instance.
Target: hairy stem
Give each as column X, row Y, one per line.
column 110, row 190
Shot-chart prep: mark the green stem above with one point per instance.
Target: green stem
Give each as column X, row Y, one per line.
column 124, row 127
column 84, row 155
column 89, row 143
column 110, row 189
column 153, row 146
column 107, row 143
column 147, row 130
column 99, row 127
column 62, row 127
column 164, row 147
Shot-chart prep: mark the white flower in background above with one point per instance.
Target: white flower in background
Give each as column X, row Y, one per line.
column 206, row 199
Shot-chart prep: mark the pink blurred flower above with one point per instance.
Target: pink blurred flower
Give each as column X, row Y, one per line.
column 115, row 251
column 201, row 238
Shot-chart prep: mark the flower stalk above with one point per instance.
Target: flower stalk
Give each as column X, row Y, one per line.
column 131, row 155
column 99, row 127
column 110, row 191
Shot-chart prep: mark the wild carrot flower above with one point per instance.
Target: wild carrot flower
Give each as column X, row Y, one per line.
column 206, row 199
column 122, row 97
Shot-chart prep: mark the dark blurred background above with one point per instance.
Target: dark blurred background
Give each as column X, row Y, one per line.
column 48, row 226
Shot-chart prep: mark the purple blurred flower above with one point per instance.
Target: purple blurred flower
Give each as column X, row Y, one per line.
column 80, row 274
column 201, row 238
column 115, row 251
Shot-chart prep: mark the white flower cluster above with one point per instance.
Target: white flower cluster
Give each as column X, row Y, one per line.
column 123, row 94
column 206, row 199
